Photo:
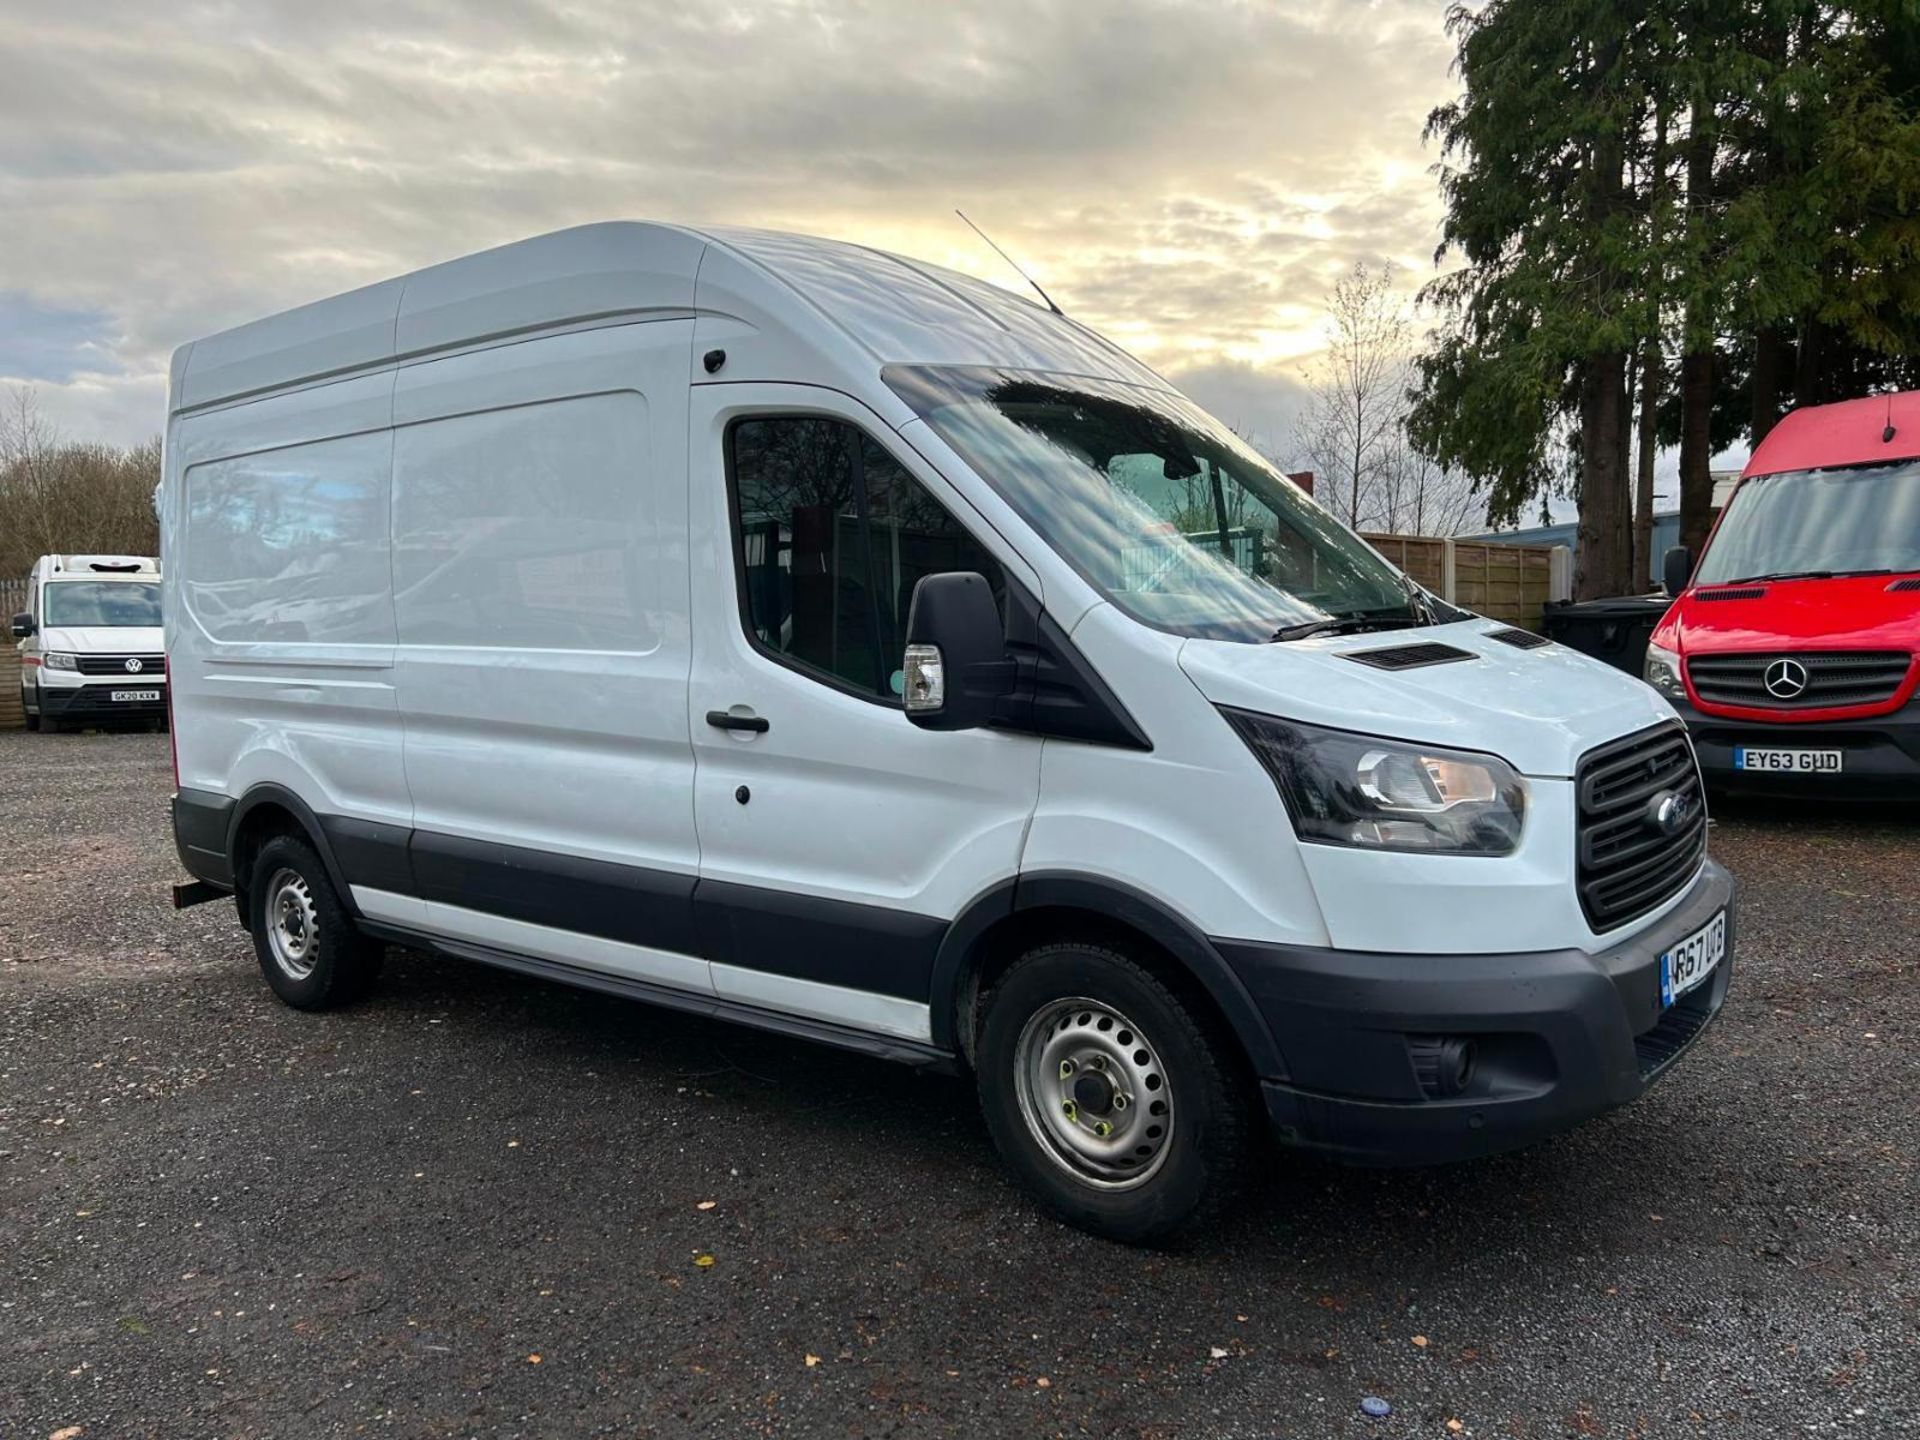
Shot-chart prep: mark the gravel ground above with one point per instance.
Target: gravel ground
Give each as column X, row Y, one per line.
column 483, row 1206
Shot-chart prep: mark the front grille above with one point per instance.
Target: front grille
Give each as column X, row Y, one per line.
column 1831, row 678
column 1628, row 864
column 1410, row 657
column 116, row 665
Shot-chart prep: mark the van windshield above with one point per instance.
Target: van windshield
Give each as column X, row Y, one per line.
column 1163, row 511
column 1864, row 519
column 102, row 602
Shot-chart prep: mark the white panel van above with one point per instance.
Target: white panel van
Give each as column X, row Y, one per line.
column 793, row 633
column 89, row 642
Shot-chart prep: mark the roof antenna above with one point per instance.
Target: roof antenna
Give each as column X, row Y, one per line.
column 1016, row 268
column 1886, row 435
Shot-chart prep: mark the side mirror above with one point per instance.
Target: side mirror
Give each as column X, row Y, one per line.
column 1677, row 569
column 956, row 663
column 23, row 625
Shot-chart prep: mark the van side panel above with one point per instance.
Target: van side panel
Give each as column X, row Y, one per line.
column 540, row 583
column 278, row 610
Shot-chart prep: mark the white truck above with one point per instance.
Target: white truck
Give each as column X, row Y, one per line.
column 90, row 642
column 789, row 632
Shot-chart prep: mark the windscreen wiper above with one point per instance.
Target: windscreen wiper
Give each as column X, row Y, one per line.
column 1343, row 625
column 1819, row 575
column 1790, row 575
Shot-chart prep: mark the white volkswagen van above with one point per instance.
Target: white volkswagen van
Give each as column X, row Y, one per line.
column 89, row 642
column 801, row 635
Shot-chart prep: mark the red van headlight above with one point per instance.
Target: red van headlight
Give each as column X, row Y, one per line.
column 1662, row 672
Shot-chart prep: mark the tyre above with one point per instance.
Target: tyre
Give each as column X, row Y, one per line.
column 1116, row 1100
column 32, row 716
column 309, row 950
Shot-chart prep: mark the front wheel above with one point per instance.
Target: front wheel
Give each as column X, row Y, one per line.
column 1112, row 1097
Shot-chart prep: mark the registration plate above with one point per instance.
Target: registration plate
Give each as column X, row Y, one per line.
column 136, row 695
column 1693, row 959
column 1787, row 762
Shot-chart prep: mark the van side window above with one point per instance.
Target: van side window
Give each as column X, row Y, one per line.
column 831, row 534
column 291, row 545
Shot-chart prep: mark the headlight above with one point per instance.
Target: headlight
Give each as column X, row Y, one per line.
column 1662, row 672
column 55, row 660
column 1347, row 789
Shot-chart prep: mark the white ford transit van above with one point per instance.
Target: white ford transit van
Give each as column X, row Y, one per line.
column 89, row 641
column 793, row 633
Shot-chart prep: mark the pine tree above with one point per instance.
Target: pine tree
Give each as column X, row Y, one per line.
column 1545, row 312
column 1735, row 183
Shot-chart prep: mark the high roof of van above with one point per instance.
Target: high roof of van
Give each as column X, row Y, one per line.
column 1848, row 432
column 845, row 301
column 97, row 567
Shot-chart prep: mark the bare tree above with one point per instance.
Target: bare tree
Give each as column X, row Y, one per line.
column 58, row 497
column 1353, row 432
column 1418, row 496
column 1357, row 399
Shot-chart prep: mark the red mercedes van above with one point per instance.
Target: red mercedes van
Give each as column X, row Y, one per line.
column 1789, row 650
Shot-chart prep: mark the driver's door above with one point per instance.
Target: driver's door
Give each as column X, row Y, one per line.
column 837, row 840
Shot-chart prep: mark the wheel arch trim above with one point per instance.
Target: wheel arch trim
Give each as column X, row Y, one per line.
column 266, row 793
column 1112, row 902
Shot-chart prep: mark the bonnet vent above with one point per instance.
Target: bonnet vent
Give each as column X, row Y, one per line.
column 1409, row 657
column 1519, row 639
column 1911, row 583
column 1735, row 592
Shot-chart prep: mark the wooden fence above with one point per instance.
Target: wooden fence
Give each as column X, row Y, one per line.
column 1513, row 583
column 13, row 599
column 11, row 717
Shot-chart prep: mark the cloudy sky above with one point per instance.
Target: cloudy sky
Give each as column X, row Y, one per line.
column 1190, row 179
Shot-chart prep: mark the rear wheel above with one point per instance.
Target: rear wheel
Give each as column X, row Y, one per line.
column 308, row 948
column 1111, row 1096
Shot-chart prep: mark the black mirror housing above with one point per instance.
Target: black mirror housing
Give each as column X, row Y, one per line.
column 1676, row 570
column 955, row 615
column 23, row 625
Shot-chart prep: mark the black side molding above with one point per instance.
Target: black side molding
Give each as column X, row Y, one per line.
column 809, row 937
column 627, row 903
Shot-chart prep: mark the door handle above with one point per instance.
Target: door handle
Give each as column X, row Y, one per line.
column 727, row 720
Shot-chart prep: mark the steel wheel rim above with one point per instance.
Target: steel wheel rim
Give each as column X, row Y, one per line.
column 293, row 925
column 1094, row 1093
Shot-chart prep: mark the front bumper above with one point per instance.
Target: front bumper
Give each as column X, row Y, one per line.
column 94, row 700
column 1880, row 758
column 1559, row 1036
